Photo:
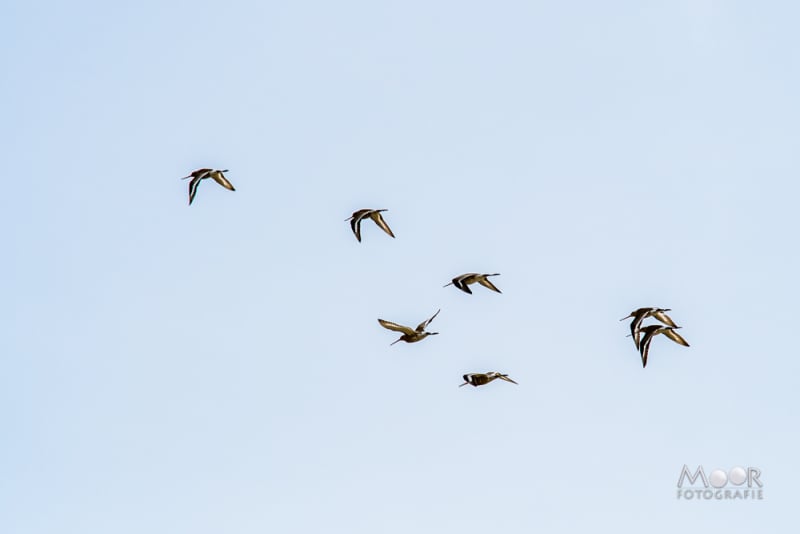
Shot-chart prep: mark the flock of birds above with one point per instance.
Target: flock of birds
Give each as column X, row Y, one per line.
column 642, row 335
column 650, row 331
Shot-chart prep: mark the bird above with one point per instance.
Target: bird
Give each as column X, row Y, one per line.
column 462, row 282
column 202, row 174
column 375, row 215
column 642, row 313
column 409, row 335
column 653, row 330
column 479, row 379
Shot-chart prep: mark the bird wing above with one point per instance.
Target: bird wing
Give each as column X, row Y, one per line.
column 378, row 218
column 421, row 326
column 505, row 377
column 221, row 180
column 459, row 283
column 193, row 188
column 664, row 318
column 676, row 337
column 486, row 283
column 638, row 317
column 644, row 347
column 355, row 224
column 396, row 327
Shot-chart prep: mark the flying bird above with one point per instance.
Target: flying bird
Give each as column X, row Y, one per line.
column 410, row 336
column 202, row 174
column 641, row 314
column 479, row 379
column 375, row 215
column 653, row 330
column 462, row 282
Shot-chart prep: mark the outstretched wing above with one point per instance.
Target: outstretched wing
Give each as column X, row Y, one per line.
column 459, row 283
column 355, row 222
column 378, row 218
column 396, row 327
column 676, row 337
column 664, row 318
column 486, row 283
column 421, row 326
column 644, row 347
column 638, row 317
column 193, row 188
column 505, row 377
column 221, row 180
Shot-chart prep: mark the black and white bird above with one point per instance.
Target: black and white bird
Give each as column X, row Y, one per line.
column 480, row 379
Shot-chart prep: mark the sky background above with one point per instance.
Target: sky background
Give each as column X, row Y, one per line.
column 219, row 367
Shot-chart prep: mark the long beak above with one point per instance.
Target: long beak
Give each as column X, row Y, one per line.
column 450, row 284
column 628, row 317
column 390, row 344
column 464, row 384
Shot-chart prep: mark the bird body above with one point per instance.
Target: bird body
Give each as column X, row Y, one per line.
column 480, row 379
column 409, row 335
column 375, row 215
column 463, row 281
column 202, row 174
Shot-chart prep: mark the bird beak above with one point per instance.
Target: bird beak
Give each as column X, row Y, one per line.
column 464, row 384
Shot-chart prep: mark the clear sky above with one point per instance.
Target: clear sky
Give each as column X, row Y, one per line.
column 219, row 367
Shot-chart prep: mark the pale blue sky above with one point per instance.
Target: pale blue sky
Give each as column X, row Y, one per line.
column 219, row 367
